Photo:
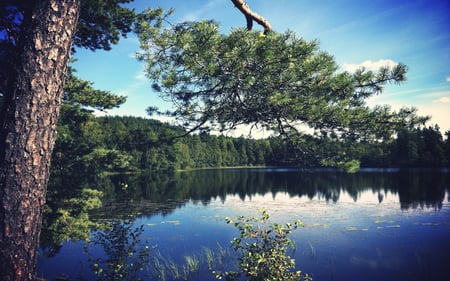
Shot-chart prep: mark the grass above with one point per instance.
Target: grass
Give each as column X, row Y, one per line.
column 209, row 254
column 164, row 268
column 312, row 249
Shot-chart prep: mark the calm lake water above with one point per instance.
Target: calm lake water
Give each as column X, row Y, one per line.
column 371, row 225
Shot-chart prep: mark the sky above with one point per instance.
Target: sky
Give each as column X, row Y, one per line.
column 356, row 32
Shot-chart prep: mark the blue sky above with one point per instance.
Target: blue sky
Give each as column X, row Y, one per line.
column 356, row 32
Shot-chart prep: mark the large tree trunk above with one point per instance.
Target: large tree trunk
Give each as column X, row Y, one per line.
column 28, row 135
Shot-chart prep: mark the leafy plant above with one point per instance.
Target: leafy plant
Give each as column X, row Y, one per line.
column 263, row 249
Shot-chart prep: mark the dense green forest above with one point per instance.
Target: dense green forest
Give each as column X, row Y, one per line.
column 122, row 144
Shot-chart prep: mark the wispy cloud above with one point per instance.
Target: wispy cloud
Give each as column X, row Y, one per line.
column 437, row 97
column 138, row 84
column 140, row 77
column 442, row 100
column 369, row 65
column 448, row 79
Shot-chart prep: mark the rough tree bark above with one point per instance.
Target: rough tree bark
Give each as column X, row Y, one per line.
column 251, row 16
column 28, row 135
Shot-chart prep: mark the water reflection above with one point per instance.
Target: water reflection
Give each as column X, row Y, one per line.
column 368, row 221
column 117, row 252
column 71, row 210
column 145, row 193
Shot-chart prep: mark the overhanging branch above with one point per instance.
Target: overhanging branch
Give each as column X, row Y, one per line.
column 251, row 16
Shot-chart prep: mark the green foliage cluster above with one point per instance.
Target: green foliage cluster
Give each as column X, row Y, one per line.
column 67, row 218
column 73, row 220
column 263, row 250
column 423, row 147
column 119, row 144
column 278, row 81
column 81, row 93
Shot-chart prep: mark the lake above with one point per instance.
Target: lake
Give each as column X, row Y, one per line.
column 372, row 225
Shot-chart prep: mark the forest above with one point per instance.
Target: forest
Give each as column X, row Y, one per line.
column 90, row 144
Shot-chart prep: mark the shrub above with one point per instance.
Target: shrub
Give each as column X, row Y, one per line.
column 263, row 250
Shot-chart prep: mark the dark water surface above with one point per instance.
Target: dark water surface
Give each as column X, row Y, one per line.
column 372, row 225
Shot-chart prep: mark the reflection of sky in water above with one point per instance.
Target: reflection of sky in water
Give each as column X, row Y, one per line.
column 346, row 240
column 370, row 238
column 340, row 241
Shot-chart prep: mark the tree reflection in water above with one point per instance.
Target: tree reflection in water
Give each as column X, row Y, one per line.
column 76, row 202
column 118, row 253
column 162, row 193
column 122, row 255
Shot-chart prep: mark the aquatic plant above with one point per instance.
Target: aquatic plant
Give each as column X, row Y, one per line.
column 163, row 267
column 192, row 263
column 263, row 250
column 209, row 255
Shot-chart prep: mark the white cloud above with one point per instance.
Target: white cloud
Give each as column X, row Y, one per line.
column 438, row 97
column 139, row 80
column 448, row 79
column 442, row 100
column 140, row 76
column 439, row 114
column 433, row 102
column 369, row 65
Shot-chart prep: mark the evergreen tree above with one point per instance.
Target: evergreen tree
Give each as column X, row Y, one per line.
column 431, row 148
column 447, row 147
column 277, row 81
column 35, row 48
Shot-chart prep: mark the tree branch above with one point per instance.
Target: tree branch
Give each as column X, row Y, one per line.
column 251, row 16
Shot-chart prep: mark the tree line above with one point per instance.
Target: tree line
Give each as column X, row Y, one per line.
column 88, row 144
